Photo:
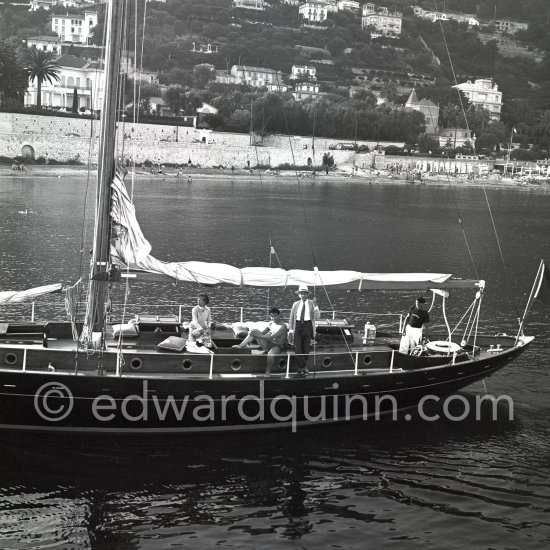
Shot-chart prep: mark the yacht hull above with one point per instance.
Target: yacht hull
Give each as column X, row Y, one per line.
column 205, row 397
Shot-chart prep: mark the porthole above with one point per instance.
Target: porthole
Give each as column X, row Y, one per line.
column 367, row 360
column 236, row 364
column 186, row 364
column 327, row 362
column 281, row 365
column 136, row 363
column 10, row 359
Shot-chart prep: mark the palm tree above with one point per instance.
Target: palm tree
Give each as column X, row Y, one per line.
column 40, row 66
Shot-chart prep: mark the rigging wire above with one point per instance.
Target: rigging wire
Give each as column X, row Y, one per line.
column 310, row 240
column 464, row 235
column 505, row 268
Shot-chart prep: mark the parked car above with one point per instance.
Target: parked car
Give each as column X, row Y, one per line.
column 345, row 146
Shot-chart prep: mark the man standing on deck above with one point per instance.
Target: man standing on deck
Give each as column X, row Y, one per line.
column 301, row 327
column 412, row 334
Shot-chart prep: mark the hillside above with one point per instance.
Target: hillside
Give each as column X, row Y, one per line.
column 426, row 56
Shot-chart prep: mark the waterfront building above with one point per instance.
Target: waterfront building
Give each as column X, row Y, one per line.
column 75, row 73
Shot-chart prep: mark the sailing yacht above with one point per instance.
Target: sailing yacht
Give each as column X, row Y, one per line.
column 113, row 376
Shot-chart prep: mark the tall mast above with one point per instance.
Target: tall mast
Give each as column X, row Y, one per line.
column 95, row 314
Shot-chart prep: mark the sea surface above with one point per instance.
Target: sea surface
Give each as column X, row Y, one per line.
column 482, row 482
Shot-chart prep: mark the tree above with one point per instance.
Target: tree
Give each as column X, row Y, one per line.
column 41, row 68
column 13, row 77
column 192, row 101
column 336, row 46
column 174, row 96
column 389, row 91
column 74, row 108
column 202, row 75
column 328, row 162
column 428, row 145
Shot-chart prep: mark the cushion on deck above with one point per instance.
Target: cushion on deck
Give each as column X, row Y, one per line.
column 128, row 330
column 173, row 343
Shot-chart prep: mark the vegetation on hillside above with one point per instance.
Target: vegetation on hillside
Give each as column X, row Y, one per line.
column 428, row 56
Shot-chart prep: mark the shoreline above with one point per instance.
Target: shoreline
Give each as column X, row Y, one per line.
column 186, row 174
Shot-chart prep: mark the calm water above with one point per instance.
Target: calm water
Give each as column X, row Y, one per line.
column 470, row 484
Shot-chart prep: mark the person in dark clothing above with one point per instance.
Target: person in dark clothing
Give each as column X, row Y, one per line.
column 412, row 334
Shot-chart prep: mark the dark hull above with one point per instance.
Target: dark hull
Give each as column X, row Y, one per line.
column 186, row 402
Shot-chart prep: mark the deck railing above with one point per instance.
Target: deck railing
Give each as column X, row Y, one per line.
column 55, row 311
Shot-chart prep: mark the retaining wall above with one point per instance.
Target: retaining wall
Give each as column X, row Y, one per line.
column 66, row 139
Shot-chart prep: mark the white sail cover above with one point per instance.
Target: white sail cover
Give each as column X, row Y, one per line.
column 12, row 296
column 130, row 249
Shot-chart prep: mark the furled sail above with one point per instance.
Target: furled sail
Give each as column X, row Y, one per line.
column 12, row 296
column 131, row 256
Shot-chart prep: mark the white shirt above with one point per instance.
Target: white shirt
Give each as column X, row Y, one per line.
column 307, row 316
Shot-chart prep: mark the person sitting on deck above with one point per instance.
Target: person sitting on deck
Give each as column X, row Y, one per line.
column 201, row 319
column 272, row 340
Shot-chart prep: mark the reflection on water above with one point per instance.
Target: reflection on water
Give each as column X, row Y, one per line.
column 323, row 486
column 469, row 484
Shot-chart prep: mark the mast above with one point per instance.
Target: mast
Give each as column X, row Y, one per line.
column 95, row 312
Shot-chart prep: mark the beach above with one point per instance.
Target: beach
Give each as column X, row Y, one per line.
column 187, row 173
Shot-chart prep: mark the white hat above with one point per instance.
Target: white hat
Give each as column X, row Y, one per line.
column 302, row 288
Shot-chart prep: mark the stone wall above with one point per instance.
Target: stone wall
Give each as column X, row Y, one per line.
column 65, row 139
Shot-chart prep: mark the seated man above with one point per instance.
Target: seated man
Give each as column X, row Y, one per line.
column 272, row 339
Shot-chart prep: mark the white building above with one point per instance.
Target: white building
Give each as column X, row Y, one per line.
column 381, row 19
column 282, row 88
column 303, row 72
column 258, row 5
column 207, row 109
column 456, row 137
column 258, row 77
column 510, row 27
column 35, row 5
column 428, row 108
column 305, row 90
column 440, row 16
column 483, row 92
column 349, row 5
column 204, row 48
column 75, row 28
column 314, row 12
column 46, row 43
column 87, row 77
